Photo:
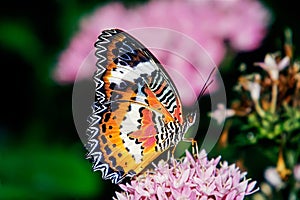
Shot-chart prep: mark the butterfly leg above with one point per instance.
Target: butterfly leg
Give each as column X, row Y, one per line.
column 195, row 150
column 173, row 157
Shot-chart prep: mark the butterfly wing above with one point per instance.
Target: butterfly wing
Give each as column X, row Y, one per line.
column 136, row 107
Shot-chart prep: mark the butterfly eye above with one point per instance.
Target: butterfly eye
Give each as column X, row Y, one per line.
column 191, row 118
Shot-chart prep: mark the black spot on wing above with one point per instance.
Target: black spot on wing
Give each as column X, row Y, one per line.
column 107, row 150
column 107, row 116
column 103, row 128
column 103, row 139
column 112, row 86
column 113, row 160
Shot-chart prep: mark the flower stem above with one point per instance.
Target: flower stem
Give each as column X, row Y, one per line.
column 274, row 98
column 258, row 108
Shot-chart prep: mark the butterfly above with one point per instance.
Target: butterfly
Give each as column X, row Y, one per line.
column 137, row 112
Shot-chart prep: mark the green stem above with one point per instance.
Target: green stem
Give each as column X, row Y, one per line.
column 258, row 109
column 274, row 98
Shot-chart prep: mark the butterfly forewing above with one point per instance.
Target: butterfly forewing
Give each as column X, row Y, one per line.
column 135, row 109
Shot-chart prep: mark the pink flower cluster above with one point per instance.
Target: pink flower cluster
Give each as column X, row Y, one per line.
column 242, row 23
column 192, row 178
column 273, row 178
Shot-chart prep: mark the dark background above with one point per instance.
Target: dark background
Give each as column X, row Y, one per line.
column 40, row 152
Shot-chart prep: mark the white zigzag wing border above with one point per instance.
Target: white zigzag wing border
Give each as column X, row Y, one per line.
column 98, row 107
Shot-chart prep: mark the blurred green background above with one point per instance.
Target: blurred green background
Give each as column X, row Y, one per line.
column 41, row 155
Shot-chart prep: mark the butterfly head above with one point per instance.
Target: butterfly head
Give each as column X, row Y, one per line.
column 189, row 121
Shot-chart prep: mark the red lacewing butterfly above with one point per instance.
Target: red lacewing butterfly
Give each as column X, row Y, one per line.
column 137, row 113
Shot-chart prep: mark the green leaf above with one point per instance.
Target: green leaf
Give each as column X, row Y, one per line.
column 54, row 172
column 20, row 38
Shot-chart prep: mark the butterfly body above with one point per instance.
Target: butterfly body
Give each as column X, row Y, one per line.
column 137, row 113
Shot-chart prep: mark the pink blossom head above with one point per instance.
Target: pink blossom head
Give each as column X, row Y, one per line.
column 273, row 67
column 222, row 113
column 191, row 178
column 273, row 177
column 208, row 22
column 296, row 172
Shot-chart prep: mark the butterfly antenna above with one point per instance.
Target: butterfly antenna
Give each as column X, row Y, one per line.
column 207, row 83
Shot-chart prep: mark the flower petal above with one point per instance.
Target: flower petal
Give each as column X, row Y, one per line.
column 283, row 63
column 270, row 61
column 202, row 180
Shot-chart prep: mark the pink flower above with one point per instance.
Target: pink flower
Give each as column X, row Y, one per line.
column 83, row 42
column 296, row 172
column 254, row 89
column 252, row 84
column 272, row 176
column 222, row 113
column 207, row 22
column 272, row 67
column 191, row 178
